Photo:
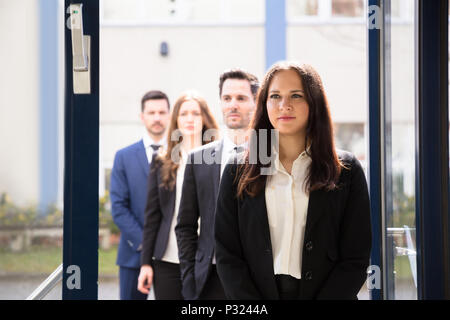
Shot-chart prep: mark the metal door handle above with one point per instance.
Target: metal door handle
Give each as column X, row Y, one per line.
column 80, row 51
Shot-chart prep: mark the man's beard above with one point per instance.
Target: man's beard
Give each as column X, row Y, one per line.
column 159, row 132
column 242, row 124
column 235, row 126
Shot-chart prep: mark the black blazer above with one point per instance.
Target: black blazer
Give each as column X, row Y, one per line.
column 198, row 200
column 337, row 240
column 158, row 215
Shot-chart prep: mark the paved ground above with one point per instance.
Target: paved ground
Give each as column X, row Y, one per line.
column 18, row 288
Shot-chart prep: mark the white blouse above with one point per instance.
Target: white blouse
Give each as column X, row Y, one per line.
column 287, row 206
column 171, row 254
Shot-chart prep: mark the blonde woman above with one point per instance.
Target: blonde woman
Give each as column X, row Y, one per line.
column 190, row 119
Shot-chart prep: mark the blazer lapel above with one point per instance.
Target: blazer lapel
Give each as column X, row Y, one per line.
column 217, row 155
column 259, row 205
column 316, row 207
column 167, row 197
column 142, row 158
column 259, row 209
column 171, row 196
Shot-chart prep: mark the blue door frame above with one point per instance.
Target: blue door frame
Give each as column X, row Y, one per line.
column 48, row 102
column 375, row 42
column 81, row 165
column 432, row 156
column 275, row 31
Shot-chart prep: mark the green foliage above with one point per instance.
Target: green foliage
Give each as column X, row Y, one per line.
column 12, row 215
column 44, row 260
column 404, row 206
column 38, row 259
column 105, row 218
column 403, row 215
column 15, row 216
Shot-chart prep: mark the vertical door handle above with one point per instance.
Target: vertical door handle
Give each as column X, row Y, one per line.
column 80, row 51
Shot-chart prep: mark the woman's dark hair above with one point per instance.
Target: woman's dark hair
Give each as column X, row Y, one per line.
column 325, row 166
column 168, row 166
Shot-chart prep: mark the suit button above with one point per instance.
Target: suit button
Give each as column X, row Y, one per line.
column 309, row 246
column 268, row 251
column 308, row 275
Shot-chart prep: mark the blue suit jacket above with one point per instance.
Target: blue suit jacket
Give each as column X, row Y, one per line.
column 128, row 199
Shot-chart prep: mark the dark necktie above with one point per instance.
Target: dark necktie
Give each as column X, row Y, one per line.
column 155, row 147
column 238, row 149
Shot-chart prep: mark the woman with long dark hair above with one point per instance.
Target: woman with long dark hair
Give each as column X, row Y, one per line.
column 190, row 119
column 297, row 227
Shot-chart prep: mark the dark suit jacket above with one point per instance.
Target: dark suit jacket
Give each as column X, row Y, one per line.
column 198, row 200
column 337, row 240
column 128, row 194
column 158, row 215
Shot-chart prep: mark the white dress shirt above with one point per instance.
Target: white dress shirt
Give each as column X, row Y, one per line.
column 148, row 141
column 228, row 150
column 287, row 206
column 171, row 254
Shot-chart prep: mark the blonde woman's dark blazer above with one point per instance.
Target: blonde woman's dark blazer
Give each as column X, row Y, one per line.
column 159, row 213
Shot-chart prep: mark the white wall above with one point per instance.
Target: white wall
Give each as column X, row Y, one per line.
column 131, row 65
column 19, row 100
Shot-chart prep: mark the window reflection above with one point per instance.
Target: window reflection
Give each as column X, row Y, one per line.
column 325, row 8
column 348, row 8
column 302, row 8
column 350, row 137
column 400, row 251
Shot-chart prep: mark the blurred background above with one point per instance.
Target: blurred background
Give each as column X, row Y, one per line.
column 174, row 45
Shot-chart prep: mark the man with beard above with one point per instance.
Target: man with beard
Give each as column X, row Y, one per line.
column 129, row 190
column 237, row 90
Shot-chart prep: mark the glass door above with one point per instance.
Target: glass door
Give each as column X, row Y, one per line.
column 408, row 83
column 400, row 231
column 392, row 164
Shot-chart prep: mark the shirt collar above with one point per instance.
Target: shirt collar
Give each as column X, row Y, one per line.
column 148, row 141
column 229, row 145
column 279, row 166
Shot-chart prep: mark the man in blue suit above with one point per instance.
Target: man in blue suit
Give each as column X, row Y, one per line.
column 129, row 190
